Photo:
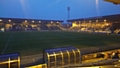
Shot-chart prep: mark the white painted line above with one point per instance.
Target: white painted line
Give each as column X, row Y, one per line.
column 6, row 44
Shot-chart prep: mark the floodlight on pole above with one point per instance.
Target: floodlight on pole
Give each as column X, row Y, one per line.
column 68, row 12
column 68, row 8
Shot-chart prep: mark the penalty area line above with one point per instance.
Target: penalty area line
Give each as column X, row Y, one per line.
column 7, row 43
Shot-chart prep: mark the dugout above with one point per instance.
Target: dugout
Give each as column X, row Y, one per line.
column 62, row 56
column 10, row 61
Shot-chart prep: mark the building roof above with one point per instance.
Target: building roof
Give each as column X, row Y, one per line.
column 20, row 20
column 114, row 18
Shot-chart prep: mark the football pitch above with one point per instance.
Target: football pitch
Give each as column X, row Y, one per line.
column 30, row 43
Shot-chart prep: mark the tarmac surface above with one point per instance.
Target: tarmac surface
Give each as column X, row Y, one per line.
column 31, row 60
column 38, row 59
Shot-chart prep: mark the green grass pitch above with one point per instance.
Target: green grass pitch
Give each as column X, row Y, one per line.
column 30, row 43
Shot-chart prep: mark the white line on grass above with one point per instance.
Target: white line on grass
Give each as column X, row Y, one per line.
column 7, row 43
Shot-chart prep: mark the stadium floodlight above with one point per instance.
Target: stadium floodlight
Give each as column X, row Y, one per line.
column 25, row 20
column 9, row 20
column 39, row 21
column 105, row 20
column 0, row 19
column 96, row 20
column 33, row 21
column 3, row 29
column 57, row 22
column 51, row 21
column 90, row 21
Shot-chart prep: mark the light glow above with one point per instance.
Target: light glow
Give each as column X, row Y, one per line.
column 96, row 20
column 25, row 20
column 90, row 21
column 51, row 21
column 97, row 8
column 105, row 20
column 0, row 19
column 39, row 21
column 33, row 21
column 9, row 20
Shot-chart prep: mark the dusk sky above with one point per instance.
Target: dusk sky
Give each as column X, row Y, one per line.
column 56, row 9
